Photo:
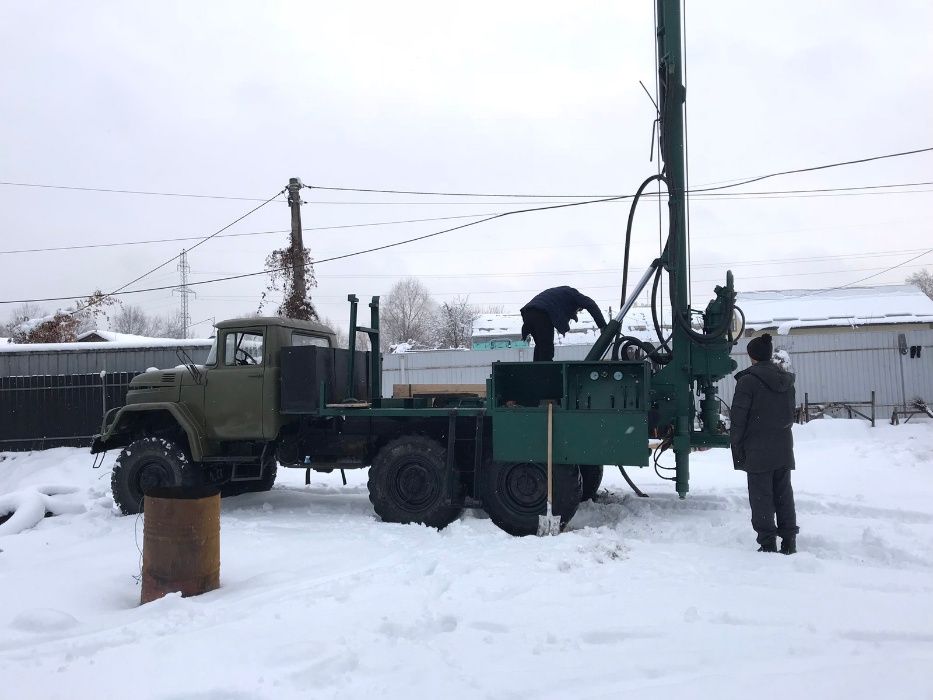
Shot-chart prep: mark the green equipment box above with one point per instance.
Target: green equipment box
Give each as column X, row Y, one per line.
column 600, row 412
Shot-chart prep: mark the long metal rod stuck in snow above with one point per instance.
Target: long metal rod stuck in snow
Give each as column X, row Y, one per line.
column 549, row 524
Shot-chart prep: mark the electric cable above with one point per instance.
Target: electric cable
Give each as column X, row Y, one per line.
column 119, row 191
column 120, row 289
column 490, row 218
column 722, row 196
column 814, row 168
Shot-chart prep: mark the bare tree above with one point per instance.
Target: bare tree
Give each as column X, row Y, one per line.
column 64, row 325
column 923, row 280
column 408, row 315
column 490, row 309
column 134, row 321
column 339, row 332
column 169, row 326
column 455, row 323
column 22, row 313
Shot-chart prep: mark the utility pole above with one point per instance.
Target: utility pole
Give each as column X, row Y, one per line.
column 298, row 267
column 183, row 269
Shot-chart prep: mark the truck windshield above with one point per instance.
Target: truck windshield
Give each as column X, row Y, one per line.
column 212, row 355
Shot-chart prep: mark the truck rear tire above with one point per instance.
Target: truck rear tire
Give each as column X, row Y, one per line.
column 515, row 494
column 144, row 464
column 408, row 483
column 591, row 476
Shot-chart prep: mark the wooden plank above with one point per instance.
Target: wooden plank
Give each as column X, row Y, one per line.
column 410, row 391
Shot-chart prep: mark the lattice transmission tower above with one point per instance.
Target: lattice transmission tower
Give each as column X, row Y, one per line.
column 184, row 291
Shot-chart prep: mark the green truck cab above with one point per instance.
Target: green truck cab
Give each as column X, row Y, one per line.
column 217, row 423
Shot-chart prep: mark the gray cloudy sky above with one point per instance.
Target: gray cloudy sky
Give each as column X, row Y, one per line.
column 233, row 98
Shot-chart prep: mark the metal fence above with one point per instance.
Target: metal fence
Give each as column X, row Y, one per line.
column 39, row 412
column 82, row 358
column 830, row 367
column 50, row 409
column 56, row 395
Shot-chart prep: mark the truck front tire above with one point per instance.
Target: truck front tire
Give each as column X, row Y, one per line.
column 515, row 494
column 408, row 483
column 144, row 464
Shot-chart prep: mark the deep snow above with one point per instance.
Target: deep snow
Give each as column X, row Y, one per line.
column 654, row 598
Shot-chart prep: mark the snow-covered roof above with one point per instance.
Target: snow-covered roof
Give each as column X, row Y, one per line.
column 113, row 337
column 141, row 342
column 852, row 306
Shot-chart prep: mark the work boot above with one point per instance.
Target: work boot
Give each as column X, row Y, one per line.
column 769, row 545
column 789, row 545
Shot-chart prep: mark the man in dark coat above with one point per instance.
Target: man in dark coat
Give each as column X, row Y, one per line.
column 762, row 445
column 553, row 309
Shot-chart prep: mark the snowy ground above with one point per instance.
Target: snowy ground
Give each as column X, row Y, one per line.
column 647, row 598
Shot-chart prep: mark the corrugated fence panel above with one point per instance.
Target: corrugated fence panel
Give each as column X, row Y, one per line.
column 849, row 366
column 28, row 363
column 457, row 366
column 830, row 367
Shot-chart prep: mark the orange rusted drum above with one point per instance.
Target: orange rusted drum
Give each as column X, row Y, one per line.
column 181, row 542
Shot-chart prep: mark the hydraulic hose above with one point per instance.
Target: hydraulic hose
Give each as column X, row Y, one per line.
column 628, row 228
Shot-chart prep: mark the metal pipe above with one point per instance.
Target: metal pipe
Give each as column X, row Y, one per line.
column 611, row 330
column 351, row 343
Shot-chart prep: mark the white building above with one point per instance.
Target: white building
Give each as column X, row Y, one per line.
column 801, row 311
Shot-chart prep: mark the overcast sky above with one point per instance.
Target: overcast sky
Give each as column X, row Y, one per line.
column 518, row 97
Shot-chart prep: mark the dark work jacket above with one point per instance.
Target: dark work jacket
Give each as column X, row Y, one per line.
column 561, row 305
column 762, row 415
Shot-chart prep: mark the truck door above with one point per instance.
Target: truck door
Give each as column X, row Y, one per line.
column 233, row 403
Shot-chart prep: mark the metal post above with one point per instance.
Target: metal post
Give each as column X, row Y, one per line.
column 103, row 391
column 806, row 407
column 375, row 362
column 351, row 343
column 873, row 408
column 671, row 104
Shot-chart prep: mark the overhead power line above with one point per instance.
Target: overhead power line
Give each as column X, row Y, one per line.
column 863, row 279
column 119, row 191
column 746, row 181
column 115, row 244
column 550, row 207
column 814, row 168
column 317, row 262
column 120, row 290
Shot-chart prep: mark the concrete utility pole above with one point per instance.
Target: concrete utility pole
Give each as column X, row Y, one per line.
column 298, row 267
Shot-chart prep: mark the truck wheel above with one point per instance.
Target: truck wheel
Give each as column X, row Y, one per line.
column 144, row 464
column 591, row 476
column 408, row 483
column 515, row 494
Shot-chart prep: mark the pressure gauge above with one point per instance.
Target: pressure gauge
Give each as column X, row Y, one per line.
column 594, row 375
column 617, row 375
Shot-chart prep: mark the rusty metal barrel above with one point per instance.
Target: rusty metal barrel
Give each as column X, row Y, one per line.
column 181, row 542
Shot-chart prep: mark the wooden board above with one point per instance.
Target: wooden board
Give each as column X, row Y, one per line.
column 410, row 391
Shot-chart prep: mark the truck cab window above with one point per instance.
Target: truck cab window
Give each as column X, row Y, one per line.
column 299, row 339
column 243, row 348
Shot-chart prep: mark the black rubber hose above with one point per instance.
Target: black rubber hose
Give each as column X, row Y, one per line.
column 628, row 229
column 638, row 491
column 741, row 328
column 654, row 313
